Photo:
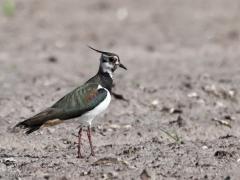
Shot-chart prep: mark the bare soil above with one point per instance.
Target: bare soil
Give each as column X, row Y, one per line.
column 182, row 117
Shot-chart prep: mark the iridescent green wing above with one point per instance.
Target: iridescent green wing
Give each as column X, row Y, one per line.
column 80, row 100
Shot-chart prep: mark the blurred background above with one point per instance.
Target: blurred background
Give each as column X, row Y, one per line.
column 183, row 61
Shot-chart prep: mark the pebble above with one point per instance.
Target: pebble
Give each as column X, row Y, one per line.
column 155, row 102
column 193, row 95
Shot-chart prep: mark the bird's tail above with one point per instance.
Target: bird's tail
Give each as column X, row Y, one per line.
column 44, row 118
column 27, row 125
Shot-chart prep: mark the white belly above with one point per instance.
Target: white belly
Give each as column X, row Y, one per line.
column 87, row 118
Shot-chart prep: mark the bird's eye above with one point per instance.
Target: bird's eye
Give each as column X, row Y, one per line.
column 111, row 59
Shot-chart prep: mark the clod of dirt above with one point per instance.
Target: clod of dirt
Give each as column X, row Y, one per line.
column 223, row 154
column 229, row 117
column 227, row 178
column 139, row 134
column 227, row 136
column 156, row 140
column 110, row 175
column 187, row 85
column 52, row 59
column 179, row 121
column 46, row 177
column 130, row 151
column 9, row 161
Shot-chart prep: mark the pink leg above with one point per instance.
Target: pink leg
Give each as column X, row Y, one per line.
column 90, row 140
column 79, row 143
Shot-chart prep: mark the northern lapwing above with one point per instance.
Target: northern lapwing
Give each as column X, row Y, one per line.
column 86, row 101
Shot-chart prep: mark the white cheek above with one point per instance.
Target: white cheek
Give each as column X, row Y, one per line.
column 106, row 67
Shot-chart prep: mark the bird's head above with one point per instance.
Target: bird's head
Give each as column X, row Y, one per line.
column 109, row 62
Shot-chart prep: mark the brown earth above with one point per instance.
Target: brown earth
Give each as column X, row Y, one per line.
column 183, row 81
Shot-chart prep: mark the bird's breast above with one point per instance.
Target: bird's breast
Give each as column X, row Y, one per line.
column 100, row 107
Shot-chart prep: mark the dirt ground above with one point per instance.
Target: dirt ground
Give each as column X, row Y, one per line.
column 182, row 117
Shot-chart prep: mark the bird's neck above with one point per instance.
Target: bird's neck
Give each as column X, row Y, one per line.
column 105, row 79
column 106, row 70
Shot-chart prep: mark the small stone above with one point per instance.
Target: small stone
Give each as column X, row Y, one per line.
column 155, row 103
column 84, row 173
column 193, row 95
column 128, row 126
column 204, row 147
column 109, row 130
column 232, row 93
column 114, row 126
column 175, row 111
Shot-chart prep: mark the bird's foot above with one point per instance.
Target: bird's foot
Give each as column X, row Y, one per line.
column 92, row 154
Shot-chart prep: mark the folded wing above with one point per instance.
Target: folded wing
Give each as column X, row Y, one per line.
column 74, row 104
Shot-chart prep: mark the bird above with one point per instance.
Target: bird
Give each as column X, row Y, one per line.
column 84, row 103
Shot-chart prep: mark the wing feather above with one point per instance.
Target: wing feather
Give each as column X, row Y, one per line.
column 80, row 100
column 74, row 104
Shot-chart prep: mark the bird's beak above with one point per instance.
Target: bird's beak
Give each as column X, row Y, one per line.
column 122, row 66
